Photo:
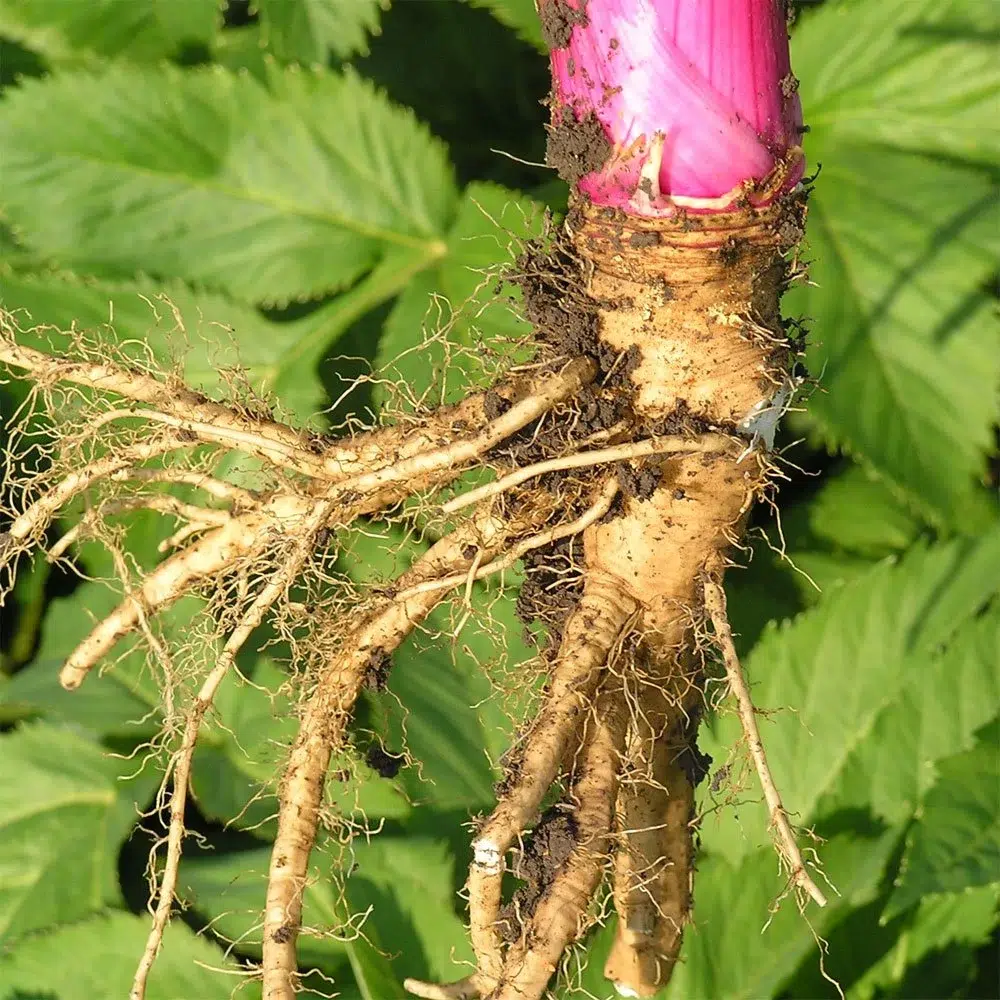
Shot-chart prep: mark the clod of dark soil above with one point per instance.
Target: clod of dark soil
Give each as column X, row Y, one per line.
column 495, row 405
column 558, row 21
column 386, row 765
column 576, row 148
column 547, row 595
column 640, row 483
column 550, row 845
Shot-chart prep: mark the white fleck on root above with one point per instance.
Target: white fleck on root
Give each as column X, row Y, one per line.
column 559, row 914
column 785, row 840
column 590, row 635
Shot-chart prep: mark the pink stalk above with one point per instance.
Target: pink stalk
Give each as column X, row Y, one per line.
column 688, row 103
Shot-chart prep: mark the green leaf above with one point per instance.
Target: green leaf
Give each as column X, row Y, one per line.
column 903, row 235
column 440, row 703
column 958, row 691
column 408, row 880
column 458, row 297
column 519, row 15
column 137, row 29
column 936, row 923
column 241, row 755
column 208, row 333
column 920, row 76
column 230, row 891
column 858, row 512
column 845, row 671
column 268, row 193
column 63, row 816
column 955, row 843
column 740, row 901
column 97, row 958
column 306, row 30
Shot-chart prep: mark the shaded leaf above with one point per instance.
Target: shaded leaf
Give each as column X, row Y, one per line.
column 408, row 880
column 230, row 891
column 306, row 30
column 242, row 751
column 740, row 901
column 938, row 922
column 955, row 843
column 268, row 193
column 63, row 816
column 519, row 15
column 459, row 298
column 97, row 958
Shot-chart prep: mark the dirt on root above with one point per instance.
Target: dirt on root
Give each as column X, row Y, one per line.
column 638, row 480
column 548, row 848
column 576, row 148
column 377, row 667
column 549, row 594
column 558, row 20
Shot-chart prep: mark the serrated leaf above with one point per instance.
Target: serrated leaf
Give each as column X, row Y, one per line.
column 440, row 703
column 268, row 193
column 519, row 15
column 739, row 901
column 97, row 958
column 903, row 237
column 921, row 75
column 63, row 815
column 955, row 843
column 242, row 752
column 857, row 512
column 306, row 30
column 143, row 30
column 846, row 667
column 458, row 296
column 958, row 691
column 229, row 890
column 408, row 880
column 938, row 922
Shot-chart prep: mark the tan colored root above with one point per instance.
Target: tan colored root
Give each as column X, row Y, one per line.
column 559, row 914
column 785, row 840
column 654, row 861
column 366, row 463
column 269, row 595
column 540, row 396
column 585, row 459
column 590, row 635
column 322, row 728
column 207, row 557
column 32, row 523
column 464, row 989
column 592, row 515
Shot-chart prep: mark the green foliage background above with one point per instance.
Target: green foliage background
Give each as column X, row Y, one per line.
column 309, row 173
